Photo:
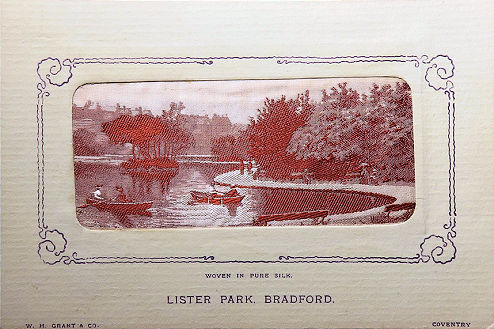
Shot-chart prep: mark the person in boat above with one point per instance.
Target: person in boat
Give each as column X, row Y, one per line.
column 121, row 197
column 97, row 195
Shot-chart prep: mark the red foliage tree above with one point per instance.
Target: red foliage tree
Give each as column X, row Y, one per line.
column 224, row 148
column 137, row 130
column 151, row 137
column 271, row 131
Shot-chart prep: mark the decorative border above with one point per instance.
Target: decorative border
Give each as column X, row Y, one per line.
column 439, row 72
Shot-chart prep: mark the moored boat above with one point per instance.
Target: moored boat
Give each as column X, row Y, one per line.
column 230, row 197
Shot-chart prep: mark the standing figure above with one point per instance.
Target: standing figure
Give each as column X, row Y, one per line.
column 373, row 177
column 306, row 176
column 249, row 167
column 242, row 167
column 364, row 173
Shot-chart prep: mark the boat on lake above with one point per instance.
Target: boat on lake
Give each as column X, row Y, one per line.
column 119, row 207
column 231, row 197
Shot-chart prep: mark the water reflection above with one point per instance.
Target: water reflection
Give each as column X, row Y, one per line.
column 142, row 181
column 173, row 205
column 124, row 220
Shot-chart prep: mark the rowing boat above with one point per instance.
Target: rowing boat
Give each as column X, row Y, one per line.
column 231, row 197
column 120, row 207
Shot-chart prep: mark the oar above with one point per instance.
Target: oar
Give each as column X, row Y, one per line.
column 87, row 205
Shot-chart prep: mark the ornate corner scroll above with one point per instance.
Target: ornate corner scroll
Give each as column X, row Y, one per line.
column 438, row 71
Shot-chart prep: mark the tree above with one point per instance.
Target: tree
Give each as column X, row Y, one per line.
column 174, row 112
column 151, row 137
column 224, row 148
column 330, row 130
column 327, row 141
column 241, row 146
column 137, row 130
column 349, row 129
column 176, row 138
column 271, row 131
column 395, row 153
column 85, row 144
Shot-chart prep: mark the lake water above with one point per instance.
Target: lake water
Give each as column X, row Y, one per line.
column 173, row 205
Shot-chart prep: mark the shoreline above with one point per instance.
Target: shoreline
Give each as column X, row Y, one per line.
column 233, row 179
column 401, row 193
column 116, row 159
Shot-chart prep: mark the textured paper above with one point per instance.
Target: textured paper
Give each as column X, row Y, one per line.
column 433, row 271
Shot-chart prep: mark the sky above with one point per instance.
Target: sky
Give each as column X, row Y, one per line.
column 240, row 99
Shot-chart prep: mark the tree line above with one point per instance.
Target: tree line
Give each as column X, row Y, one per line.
column 340, row 134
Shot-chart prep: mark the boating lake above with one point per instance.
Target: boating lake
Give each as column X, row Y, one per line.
column 173, row 205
